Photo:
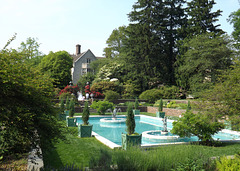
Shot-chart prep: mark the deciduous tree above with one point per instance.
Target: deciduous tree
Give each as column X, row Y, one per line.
column 204, row 57
column 27, row 114
column 58, row 65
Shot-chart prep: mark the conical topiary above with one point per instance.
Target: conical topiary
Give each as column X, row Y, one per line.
column 62, row 107
column 160, row 108
column 71, row 108
column 86, row 113
column 136, row 103
column 189, row 106
column 130, row 121
column 67, row 103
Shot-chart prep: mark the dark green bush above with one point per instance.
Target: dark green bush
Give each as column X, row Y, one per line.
column 111, row 95
column 170, row 92
column 151, row 95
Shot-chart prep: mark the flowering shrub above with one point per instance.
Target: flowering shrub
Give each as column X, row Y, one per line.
column 96, row 93
column 87, row 89
column 70, row 90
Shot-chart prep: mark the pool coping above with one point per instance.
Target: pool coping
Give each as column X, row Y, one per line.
column 113, row 145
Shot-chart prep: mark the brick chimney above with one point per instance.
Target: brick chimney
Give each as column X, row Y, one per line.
column 78, row 49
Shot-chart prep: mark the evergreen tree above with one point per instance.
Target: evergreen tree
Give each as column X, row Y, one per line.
column 234, row 19
column 201, row 18
column 150, row 47
column 174, row 19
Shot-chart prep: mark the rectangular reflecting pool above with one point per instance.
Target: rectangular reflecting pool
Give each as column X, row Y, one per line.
column 110, row 133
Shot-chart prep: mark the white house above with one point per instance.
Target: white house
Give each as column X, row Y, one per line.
column 81, row 63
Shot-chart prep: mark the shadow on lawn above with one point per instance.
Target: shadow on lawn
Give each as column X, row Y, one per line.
column 51, row 159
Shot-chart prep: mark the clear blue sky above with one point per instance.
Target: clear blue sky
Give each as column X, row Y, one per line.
column 61, row 24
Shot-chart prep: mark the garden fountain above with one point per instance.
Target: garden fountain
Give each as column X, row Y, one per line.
column 160, row 135
column 114, row 118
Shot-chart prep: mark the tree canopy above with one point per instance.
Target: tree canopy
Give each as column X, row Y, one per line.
column 205, row 56
column 234, row 19
column 58, row 65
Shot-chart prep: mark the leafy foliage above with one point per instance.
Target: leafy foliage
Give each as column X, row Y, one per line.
column 223, row 99
column 201, row 125
column 58, row 65
column 103, row 86
column 151, row 95
column 227, row 163
column 30, row 49
column 234, row 19
column 111, row 95
column 27, row 114
column 102, row 106
column 206, row 55
column 115, row 42
column 89, row 77
column 164, row 92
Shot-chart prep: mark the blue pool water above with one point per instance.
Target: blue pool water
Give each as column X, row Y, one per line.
column 112, row 131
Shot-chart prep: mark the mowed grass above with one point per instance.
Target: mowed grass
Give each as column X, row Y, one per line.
column 80, row 151
column 73, row 150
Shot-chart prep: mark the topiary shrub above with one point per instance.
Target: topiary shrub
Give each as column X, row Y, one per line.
column 62, row 106
column 130, row 121
column 86, row 113
column 111, row 95
column 160, row 107
column 102, row 106
column 71, row 108
column 136, row 104
column 151, row 95
column 67, row 103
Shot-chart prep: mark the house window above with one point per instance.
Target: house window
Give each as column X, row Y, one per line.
column 84, row 71
column 88, row 61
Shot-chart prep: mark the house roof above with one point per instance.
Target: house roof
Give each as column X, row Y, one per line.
column 77, row 57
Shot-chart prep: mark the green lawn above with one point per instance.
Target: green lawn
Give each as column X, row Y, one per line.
column 73, row 150
column 80, row 151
